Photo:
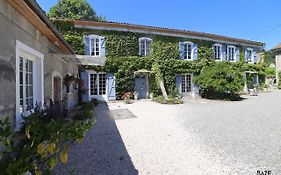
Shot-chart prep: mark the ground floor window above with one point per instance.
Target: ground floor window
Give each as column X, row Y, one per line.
column 26, row 84
column 98, row 84
column 186, row 83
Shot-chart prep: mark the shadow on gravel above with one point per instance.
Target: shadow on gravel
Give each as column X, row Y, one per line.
column 102, row 151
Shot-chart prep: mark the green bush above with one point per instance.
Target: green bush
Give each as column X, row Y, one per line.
column 219, row 81
column 40, row 145
column 171, row 100
column 86, row 106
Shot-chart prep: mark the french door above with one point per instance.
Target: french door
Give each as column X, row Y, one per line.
column 186, row 84
column 98, row 85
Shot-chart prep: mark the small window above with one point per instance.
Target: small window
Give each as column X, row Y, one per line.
column 217, row 51
column 187, row 52
column 230, row 53
column 144, row 46
column 95, row 46
column 249, row 55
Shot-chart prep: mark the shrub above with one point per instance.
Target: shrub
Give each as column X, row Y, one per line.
column 219, row 81
column 171, row 100
column 86, row 106
column 83, row 115
column 40, row 145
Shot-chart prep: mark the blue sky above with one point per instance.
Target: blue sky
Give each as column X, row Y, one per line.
column 258, row 20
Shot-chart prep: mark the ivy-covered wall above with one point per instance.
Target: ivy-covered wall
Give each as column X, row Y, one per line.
column 122, row 56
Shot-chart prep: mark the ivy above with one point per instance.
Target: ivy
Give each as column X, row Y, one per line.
column 122, row 49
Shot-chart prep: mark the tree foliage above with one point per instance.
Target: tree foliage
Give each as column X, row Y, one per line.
column 74, row 10
column 219, row 81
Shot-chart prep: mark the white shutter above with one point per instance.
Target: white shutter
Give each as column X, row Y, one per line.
column 195, row 51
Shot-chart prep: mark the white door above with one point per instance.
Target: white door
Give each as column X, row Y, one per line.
column 98, row 86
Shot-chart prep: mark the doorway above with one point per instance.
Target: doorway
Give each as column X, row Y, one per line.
column 141, row 86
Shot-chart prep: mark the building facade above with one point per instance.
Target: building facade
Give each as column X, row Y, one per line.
column 30, row 72
column 110, row 39
column 277, row 51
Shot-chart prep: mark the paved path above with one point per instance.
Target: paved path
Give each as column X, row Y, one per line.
column 197, row 137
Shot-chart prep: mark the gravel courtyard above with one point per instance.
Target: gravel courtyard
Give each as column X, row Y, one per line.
column 197, row 137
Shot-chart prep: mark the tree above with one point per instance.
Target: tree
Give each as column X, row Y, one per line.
column 74, row 10
column 219, row 81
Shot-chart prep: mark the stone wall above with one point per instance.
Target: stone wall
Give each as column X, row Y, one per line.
column 15, row 27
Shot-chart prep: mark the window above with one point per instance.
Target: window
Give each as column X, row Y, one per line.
column 186, row 83
column 249, row 55
column 95, row 46
column 187, row 51
column 26, row 84
column 29, row 81
column 98, row 84
column 217, row 51
column 144, row 46
column 231, row 53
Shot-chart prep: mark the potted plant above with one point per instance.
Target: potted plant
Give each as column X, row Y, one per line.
column 126, row 97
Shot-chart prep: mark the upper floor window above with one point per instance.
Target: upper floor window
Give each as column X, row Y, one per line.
column 187, row 51
column 230, row 53
column 249, row 56
column 217, row 51
column 94, row 45
column 144, row 46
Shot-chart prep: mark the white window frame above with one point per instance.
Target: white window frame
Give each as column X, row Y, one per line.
column 145, row 45
column 186, row 43
column 252, row 55
column 37, row 58
column 214, row 50
column 94, row 37
column 234, row 53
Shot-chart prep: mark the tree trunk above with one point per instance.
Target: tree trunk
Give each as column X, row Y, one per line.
column 162, row 86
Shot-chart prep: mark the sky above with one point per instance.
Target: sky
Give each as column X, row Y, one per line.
column 258, row 20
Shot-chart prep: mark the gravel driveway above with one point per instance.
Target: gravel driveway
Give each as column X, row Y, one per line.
column 197, row 137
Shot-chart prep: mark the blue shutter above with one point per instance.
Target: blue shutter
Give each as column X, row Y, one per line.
column 223, row 53
column 181, row 49
column 195, row 51
column 237, row 54
column 178, row 82
column 87, row 45
column 111, row 92
column 255, row 56
column 85, row 78
column 246, row 55
column 102, row 42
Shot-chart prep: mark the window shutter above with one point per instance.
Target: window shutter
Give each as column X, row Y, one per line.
column 237, row 54
column 111, row 92
column 195, row 51
column 246, row 55
column 85, row 78
column 181, row 49
column 223, row 53
column 102, row 43
column 87, row 45
column 178, row 82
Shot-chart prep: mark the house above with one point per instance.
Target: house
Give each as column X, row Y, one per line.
column 30, row 71
column 277, row 51
column 111, row 39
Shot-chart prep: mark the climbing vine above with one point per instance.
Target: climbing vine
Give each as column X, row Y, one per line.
column 122, row 57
